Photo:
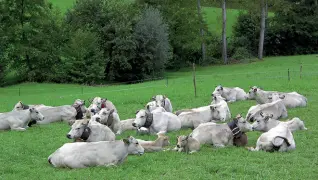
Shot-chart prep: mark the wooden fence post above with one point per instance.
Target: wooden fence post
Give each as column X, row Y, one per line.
column 301, row 70
column 288, row 75
column 194, row 83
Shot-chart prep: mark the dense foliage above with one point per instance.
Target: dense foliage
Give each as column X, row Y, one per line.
column 293, row 30
column 98, row 41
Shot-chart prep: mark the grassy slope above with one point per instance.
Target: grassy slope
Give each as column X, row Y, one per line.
column 63, row 5
column 24, row 154
column 213, row 17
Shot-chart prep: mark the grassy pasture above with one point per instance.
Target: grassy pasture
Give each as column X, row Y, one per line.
column 24, row 154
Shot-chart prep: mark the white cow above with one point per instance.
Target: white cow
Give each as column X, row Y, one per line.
column 157, row 122
column 89, row 154
column 127, row 125
column 157, row 145
column 21, row 106
column 230, row 94
column 90, row 131
column 268, row 123
column 222, row 106
column 152, row 107
column 193, row 118
column 221, row 135
column 162, row 101
column 279, row 138
column 277, row 108
column 97, row 104
column 111, row 119
column 291, row 99
column 19, row 120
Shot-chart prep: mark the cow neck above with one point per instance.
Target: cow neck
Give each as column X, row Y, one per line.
column 86, row 133
column 237, row 133
column 79, row 113
column 110, row 120
column 149, row 119
column 24, row 106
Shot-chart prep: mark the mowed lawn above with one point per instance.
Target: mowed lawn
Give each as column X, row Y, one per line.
column 24, row 154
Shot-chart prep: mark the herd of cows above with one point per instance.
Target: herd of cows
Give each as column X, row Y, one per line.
column 94, row 129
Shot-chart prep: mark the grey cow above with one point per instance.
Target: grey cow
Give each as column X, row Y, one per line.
column 221, row 135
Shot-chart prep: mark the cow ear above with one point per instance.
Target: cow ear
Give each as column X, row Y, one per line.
column 153, row 98
column 111, row 111
column 164, row 96
column 221, row 88
column 186, row 137
column 137, row 111
column 126, row 141
column 147, row 108
column 255, row 89
column 261, row 113
column 271, row 116
column 212, row 108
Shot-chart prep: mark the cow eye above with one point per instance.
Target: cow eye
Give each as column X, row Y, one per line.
column 258, row 121
column 142, row 116
column 137, row 143
column 37, row 112
column 78, row 128
column 244, row 122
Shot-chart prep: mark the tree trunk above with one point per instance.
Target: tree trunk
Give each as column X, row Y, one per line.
column 201, row 32
column 224, row 51
column 262, row 31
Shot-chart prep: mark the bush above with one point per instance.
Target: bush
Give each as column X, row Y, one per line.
column 241, row 54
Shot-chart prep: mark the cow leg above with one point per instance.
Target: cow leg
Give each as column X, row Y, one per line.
column 192, row 152
column 180, row 150
column 218, row 145
column 283, row 147
column 18, row 129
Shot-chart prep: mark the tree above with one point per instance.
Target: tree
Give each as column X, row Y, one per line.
column 83, row 60
column 262, row 30
column 31, row 30
column 224, row 51
column 153, row 48
column 182, row 19
column 201, row 32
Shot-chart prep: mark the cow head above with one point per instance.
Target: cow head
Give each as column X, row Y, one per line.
column 140, row 118
column 77, row 129
column 217, row 98
column 151, row 106
column 36, row 115
column 218, row 90
column 252, row 92
column 160, row 100
column 182, row 141
column 215, row 112
column 133, row 146
column 261, row 124
column 106, row 116
column 244, row 125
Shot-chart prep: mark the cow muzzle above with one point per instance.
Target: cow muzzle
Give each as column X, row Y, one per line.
column 68, row 136
column 134, row 124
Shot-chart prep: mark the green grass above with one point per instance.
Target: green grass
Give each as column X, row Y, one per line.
column 63, row 5
column 24, row 154
column 213, row 17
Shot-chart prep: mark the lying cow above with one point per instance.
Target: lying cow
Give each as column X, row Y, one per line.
column 90, row 131
column 230, row 94
column 221, row 135
column 187, row 144
column 278, row 138
column 157, row 122
column 21, row 106
column 99, row 103
column 157, row 145
column 222, row 107
column 110, row 118
column 277, row 108
column 162, row 101
column 19, row 120
column 290, row 100
column 89, row 154
column 194, row 118
column 152, row 107
column 268, row 123
column 126, row 125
